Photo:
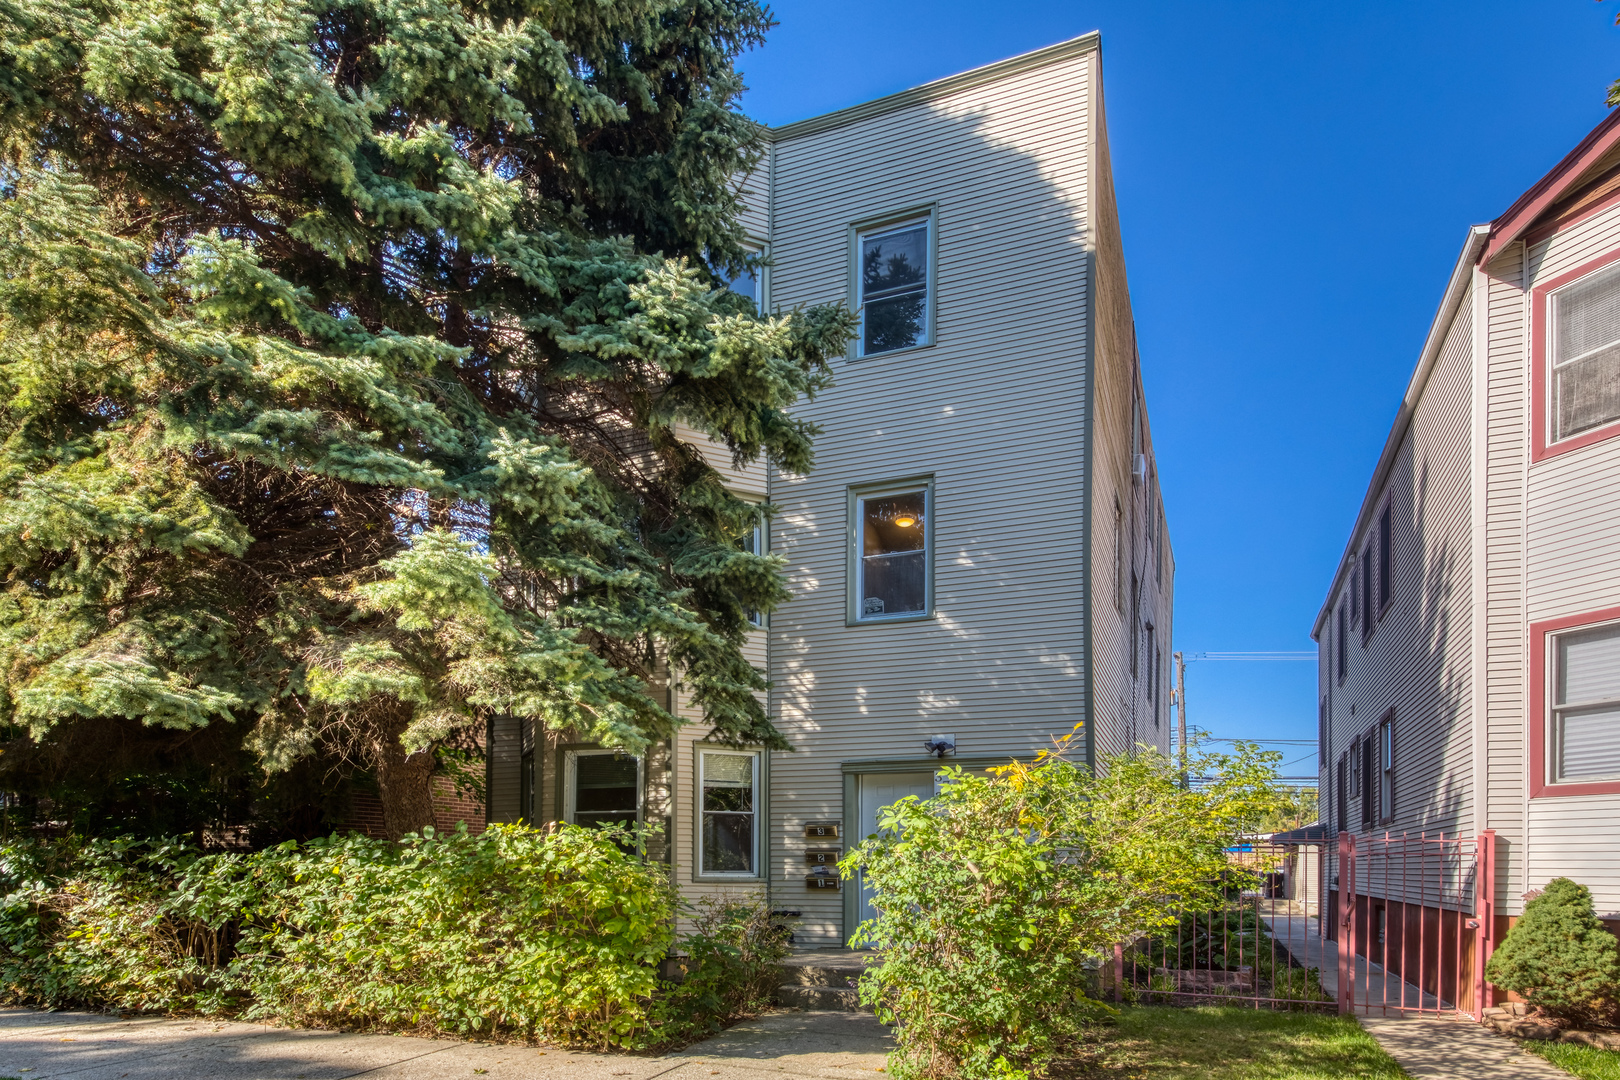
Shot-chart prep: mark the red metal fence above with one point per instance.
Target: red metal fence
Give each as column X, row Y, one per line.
column 1369, row 924
column 1414, row 919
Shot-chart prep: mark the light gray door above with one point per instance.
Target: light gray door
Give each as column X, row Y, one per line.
column 875, row 791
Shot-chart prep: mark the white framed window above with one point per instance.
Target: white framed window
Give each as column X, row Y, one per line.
column 894, row 281
column 748, row 282
column 601, row 787
column 1584, row 726
column 1583, row 349
column 753, row 542
column 728, row 812
column 891, row 552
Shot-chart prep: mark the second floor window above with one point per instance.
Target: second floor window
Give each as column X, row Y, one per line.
column 753, row 542
column 893, row 282
column 1386, row 564
column 1584, row 353
column 891, row 557
column 1585, row 722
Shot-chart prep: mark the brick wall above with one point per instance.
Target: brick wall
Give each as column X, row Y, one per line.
column 449, row 808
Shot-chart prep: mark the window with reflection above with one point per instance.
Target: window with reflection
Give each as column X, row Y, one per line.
column 753, row 542
column 894, row 286
column 1585, row 348
column 726, row 839
column 744, row 283
column 892, row 561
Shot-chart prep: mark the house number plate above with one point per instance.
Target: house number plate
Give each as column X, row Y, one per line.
column 822, row 830
column 821, row 881
column 822, row 856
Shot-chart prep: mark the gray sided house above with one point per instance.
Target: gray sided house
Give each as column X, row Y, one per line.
column 1469, row 660
column 979, row 561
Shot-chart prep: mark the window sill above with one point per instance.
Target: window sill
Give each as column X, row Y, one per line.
column 1576, row 790
column 892, row 620
column 856, row 358
column 733, row 879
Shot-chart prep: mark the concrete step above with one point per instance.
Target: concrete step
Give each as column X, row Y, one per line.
column 840, row 968
column 820, row 998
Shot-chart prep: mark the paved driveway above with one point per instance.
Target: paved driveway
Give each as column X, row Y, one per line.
column 87, row 1046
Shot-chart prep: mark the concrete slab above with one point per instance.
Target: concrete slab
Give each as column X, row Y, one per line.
column 811, row 1044
column 1436, row 1049
column 91, row 1046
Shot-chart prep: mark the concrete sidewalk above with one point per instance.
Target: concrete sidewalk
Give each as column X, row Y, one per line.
column 88, row 1046
column 1432, row 1049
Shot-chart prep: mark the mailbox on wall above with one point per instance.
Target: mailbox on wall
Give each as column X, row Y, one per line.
column 822, row 857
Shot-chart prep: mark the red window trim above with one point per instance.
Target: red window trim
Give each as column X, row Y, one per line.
column 1540, row 708
column 1540, row 448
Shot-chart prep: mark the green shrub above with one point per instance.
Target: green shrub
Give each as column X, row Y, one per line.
column 1559, row 957
column 996, row 897
column 547, row 935
column 732, row 967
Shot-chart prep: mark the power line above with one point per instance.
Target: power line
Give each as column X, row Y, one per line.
column 1255, row 655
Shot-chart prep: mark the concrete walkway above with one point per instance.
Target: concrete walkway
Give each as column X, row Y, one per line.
column 1433, row 1049
column 88, row 1046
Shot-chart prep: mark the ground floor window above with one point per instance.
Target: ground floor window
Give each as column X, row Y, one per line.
column 728, row 836
column 1584, row 728
column 601, row 787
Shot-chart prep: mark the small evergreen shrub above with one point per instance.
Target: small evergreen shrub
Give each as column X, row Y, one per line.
column 1559, row 957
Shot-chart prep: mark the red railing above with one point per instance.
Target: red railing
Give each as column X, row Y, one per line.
column 1415, row 922
column 1373, row 924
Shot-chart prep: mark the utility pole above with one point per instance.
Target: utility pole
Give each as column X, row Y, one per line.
column 1181, row 715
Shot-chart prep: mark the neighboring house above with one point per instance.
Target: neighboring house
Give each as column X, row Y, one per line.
column 1469, row 662
column 980, row 553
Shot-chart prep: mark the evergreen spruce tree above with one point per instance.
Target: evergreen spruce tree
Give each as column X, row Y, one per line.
column 1559, row 957
column 343, row 349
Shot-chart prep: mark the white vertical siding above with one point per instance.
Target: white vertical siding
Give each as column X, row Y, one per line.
column 1507, row 451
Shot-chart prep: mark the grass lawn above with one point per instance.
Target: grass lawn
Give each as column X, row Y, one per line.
column 1223, row 1043
column 1586, row 1062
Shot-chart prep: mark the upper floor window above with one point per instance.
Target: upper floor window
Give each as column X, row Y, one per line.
column 1341, row 650
column 893, row 283
column 1584, row 735
column 747, row 281
column 728, row 840
column 753, row 542
column 1584, row 346
column 1367, row 617
column 891, row 552
column 1386, row 557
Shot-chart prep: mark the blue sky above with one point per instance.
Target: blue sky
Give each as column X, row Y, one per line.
column 1295, row 181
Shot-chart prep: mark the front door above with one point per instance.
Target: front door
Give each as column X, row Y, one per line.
column 874, row 792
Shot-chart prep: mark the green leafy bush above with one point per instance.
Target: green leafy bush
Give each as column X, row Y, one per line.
column 731, row 964
column 1559, row 957
column 996, row 897
column 520, row 933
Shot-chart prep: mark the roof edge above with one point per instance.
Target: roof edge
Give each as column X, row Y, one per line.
column 1550, row 188
column 932, row 91
column 1456, row 289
